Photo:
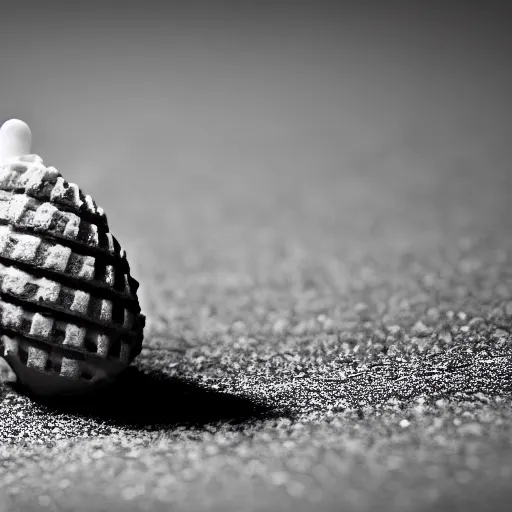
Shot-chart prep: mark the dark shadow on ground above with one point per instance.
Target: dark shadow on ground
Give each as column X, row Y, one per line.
column 140, row 399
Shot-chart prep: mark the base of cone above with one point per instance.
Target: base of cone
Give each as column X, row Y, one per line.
column 47, row 384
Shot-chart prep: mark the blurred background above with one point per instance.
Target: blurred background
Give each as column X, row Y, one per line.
column 303, row 189
column 209, row 126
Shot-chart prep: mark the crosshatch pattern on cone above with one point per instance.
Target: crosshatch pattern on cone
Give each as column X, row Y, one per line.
column 68, row 304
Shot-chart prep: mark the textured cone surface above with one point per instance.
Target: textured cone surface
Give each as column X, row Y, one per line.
column 68, row 305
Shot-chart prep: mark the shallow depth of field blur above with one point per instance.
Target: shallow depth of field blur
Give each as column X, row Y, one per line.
column 207, row 126
column 315, row 198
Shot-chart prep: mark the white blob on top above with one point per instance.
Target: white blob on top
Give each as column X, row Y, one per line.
column 15, row 140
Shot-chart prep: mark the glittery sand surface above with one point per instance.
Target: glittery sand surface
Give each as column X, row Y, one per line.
column 329, row 295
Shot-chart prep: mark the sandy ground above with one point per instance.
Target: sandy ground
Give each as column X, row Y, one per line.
column 322, row 238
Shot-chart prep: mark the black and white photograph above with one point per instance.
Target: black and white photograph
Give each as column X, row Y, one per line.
column 256, row 256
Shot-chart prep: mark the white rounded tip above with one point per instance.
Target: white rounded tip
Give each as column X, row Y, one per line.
column 15, row 139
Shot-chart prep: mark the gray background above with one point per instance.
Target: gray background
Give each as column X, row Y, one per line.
column 315, row 200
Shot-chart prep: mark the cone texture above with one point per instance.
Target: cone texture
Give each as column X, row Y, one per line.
column 68, row 305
